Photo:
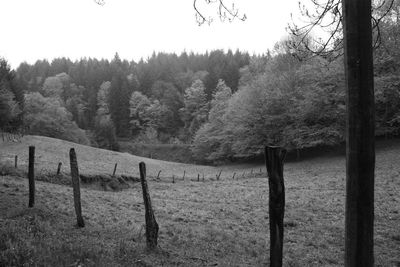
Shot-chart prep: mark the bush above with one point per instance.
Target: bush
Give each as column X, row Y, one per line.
column 46, row 116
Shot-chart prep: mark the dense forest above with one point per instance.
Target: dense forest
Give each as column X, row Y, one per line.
column 225, row 104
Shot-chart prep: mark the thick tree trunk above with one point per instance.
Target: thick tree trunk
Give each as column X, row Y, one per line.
column 31, row 176
column 360, row 145
column 274, row 157
column 76, row 188
column 151, row 223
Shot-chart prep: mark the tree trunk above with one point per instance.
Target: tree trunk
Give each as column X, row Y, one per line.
column 76, row 188
column 360, row 144
column 151, row 223
column 31, row 176
column 274, row 157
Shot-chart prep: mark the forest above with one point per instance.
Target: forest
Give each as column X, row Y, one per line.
column 226, row 105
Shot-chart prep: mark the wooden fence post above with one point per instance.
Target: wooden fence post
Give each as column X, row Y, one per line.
column 198, row 177
column 31, row 176
column 16, row 161
column 219, row 175
column 274, row 157
column 184, row 173
column 158, row 175
column 173, row 179
column 233, row 176
column 203, row 177
column 59, row 168
column 115, row 169
column 76, row 187
column 151, row 223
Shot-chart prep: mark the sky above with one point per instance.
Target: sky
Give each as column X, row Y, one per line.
column 45, row 29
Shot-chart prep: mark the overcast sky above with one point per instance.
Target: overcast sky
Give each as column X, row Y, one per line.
column 37, row 29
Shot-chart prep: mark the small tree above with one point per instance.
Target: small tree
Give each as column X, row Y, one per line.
column 195, row 110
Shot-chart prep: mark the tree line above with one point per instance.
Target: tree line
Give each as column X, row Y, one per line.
column 226, row 104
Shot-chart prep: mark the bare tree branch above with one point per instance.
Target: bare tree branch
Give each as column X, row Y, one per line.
column 327, row 17
column 100, row 2
column 224, row 12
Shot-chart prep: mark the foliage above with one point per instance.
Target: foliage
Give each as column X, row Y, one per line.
column 104, row 129
column 163, row 77
column 138, row 105
column 210, row 142
column 194, row 112
column 102, row 98
column 276, row 98
column 10, row 98
column 104, row 133
column 281, row 101
column 46, row 116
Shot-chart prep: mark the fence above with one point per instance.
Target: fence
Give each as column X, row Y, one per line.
column 151, row 224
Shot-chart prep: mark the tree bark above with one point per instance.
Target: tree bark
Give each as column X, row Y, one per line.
column 76, row 187
column 360, row 144
column 31, row 176
column 151, row 223
column 274, row 157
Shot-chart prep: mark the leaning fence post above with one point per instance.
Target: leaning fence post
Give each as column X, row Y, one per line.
column 151, row 223
column 233, row 176
column 158, row 175
column 184, row 173
column 274, row 157
column 115, row 169
column 31, row 176
column 76, row 187
column 219, row 175
column 59, row 168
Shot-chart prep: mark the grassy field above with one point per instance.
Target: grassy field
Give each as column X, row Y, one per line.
column 210, row 223
column 50, row 151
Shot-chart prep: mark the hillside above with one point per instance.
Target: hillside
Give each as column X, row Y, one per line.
column 211, row 223
column 50, row 151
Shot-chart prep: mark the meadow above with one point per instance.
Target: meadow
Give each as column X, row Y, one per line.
column 212, row 223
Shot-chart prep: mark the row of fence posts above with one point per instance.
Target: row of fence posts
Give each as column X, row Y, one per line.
column 217, row 176
column 274, row 158
column 151, row 223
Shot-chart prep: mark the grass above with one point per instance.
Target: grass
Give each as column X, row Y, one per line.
column 49, row 152
column 211, row 223
column 170, row 152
